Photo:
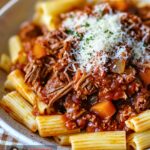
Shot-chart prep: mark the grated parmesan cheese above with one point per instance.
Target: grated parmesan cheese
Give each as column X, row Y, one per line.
column 101, row 36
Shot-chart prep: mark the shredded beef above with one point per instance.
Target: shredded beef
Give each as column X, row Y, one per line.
column 54, row 40
column 78, row 116
column 142, row 101
column 109, row 125
column 73, row 109
column 134, row 27
column 53, row 85
column 37, row 71
column 125, row 112
column 29, row 31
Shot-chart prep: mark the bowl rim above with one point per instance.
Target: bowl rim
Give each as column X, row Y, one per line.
column 22, row 139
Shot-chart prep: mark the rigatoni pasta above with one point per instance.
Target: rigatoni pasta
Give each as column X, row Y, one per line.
column 140, row 122
column 99, row 141
column 46, row 19
column 47, row 12
column 9, row 85
column 14, row 104
column 16, row 77
column 49, row 6
column 63, row 139
column 53, row 125
column 5, row 62
column 15, row 46
column 42, row 107
column 139, row 141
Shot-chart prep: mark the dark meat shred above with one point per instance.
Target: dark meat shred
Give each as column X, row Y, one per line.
column 109, row 125
column 29, row 31
column 125, row 111
column 142, row 101
column 54, row 41
column 37, row 71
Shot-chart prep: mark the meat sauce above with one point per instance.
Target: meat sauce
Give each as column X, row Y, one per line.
column 50, row 74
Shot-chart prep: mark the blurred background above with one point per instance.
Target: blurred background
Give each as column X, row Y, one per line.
column 2, row 2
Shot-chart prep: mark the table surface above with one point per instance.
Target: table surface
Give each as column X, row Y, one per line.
column 3, row 2
column 7, row 141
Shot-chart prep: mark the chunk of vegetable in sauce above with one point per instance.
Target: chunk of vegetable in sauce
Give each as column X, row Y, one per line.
column 118, row 66
column 104, row 109
column 38, row 51
column 145, row 76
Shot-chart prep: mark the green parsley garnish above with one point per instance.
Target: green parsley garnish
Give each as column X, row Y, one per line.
column 89, row 39
column 87, row 24
column 68, row 31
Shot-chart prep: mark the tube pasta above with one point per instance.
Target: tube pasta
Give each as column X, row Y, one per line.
column 99, row 141
column 5, row 62
column 43, row 107
column 9, row 85
column 139, row 141
column 52, row 126
column 49, row 21
column 15, row 46
column 17, row 79
column 46, row 12
column 19, row 109
column 140, row 122
column 51, row 9
column 63, row 140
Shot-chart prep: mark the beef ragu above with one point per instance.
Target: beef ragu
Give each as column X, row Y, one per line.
column 92, row 68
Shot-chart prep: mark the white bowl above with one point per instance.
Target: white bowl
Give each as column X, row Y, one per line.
column 11, row 16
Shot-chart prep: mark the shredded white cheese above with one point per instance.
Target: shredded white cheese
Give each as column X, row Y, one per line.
column 101, row 36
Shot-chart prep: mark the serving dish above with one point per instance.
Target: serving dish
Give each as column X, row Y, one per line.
column 12, row 14
column 25, row 136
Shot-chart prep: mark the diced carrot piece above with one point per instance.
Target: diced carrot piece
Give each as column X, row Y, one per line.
column 119, row 66
column 145, row 76
column 104, row 109
column 121, row 6
column 38, row 51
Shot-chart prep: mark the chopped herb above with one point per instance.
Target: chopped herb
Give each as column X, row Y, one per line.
column 89, row 54
column 108, row 31
column 87, row 24
column 76, row 34
column 111, row 32
column 68, row 31
column 89, row 39
column 105, row 31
